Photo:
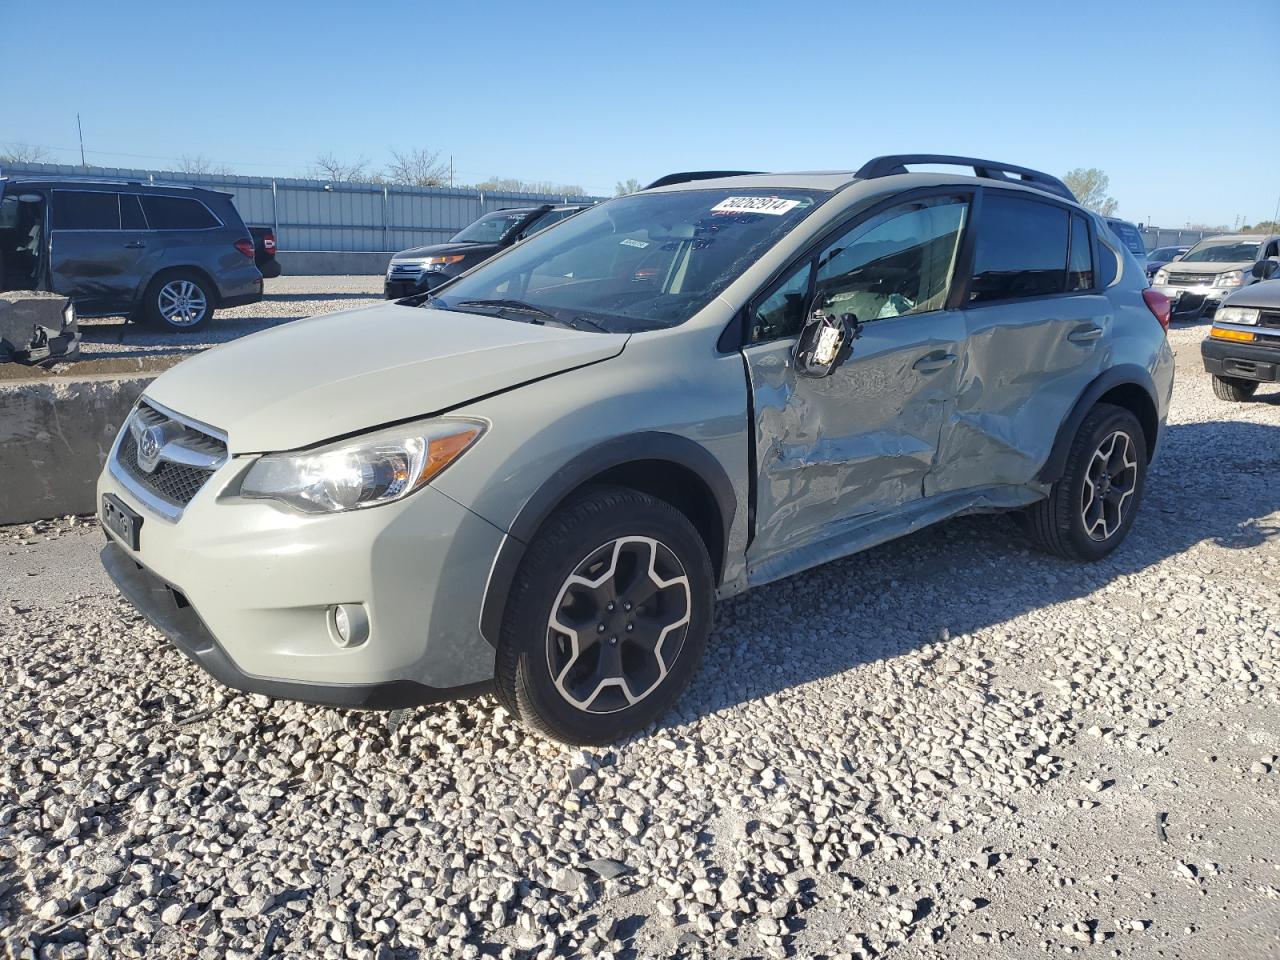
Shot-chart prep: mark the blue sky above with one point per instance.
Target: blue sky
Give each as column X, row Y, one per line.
column 1175, row 101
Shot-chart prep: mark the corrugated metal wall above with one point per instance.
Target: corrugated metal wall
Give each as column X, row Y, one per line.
column 315, row 215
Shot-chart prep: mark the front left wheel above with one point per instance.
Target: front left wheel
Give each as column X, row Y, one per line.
column 607, row 618
column 1234, row 389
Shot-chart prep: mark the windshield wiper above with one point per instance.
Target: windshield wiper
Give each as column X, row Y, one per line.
column 591, row 323
column 514, row 306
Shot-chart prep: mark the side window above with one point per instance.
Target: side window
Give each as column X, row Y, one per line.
column 546, row 220
column 895, row 264
column 83, row 210
column 177, row 213
column 781, row 314
column 1021, row 250
column 131, row 213
column 1273, row 250
column 1080, row 267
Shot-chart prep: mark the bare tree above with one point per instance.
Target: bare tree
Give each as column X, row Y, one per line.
column 25, row 153
column 418, row 168
column 199, row 165
column 1090, row 187
column 511, row 185
column 624, row 187
column 328, row 167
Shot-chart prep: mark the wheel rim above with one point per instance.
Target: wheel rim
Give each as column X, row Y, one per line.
column 617, row 625
column 182, row 303
column 1109, row 484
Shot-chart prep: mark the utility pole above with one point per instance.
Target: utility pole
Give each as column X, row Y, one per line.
column 451, row 171
column 80, row 130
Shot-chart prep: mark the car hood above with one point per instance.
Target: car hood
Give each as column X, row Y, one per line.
column 1265, row 294
column 327, row 376
column 444, row 249
column 1215, row 266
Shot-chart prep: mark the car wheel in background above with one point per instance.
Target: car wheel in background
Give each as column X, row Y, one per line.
column 1237, row 391
column 607, row 618
column 180, row 302
column 1091, row 507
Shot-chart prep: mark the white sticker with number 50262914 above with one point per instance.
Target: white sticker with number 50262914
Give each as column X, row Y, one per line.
column 774, row 206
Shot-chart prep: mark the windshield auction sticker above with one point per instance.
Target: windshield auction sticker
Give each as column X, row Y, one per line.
column 774, row 206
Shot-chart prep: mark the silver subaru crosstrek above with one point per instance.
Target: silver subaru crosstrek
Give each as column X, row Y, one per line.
column 538, row 478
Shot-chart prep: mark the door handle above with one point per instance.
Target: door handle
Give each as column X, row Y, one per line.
column 932, row 364
column 134, row 245
column 1085, row 334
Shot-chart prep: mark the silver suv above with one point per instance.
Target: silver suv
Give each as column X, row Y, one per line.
column 538, row 478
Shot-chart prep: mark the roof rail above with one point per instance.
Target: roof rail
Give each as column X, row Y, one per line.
column 892, row 164
column 692, row 175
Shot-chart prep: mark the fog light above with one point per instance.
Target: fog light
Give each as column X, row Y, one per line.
column 350, row 624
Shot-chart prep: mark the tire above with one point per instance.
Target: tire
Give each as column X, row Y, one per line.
column 1237, row 391
column 179, row 302
column 606, row 542
column 1065, row 523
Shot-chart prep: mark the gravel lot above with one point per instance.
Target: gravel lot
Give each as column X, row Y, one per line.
column 949, row 746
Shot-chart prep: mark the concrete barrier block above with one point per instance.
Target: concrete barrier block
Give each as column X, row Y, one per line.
column 55, row 434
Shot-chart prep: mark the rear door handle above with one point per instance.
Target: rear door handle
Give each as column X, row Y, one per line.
column 931, row 363
column 134, row 245
column 1086, row 334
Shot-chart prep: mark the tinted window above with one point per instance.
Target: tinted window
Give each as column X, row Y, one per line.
column 897, row 263
column 490, row 228
column 1080, row 269
column 1022, row 250
column 131, row 213
column 546, row 220
column 82, row 210
column 176, row 213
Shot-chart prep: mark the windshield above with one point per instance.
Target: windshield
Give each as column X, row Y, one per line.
column 641, row 262
column 1222, row 251
column 1164, row 253
column 490, row 228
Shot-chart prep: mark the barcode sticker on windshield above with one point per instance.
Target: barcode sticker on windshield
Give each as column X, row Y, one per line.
column 774, row 206
column 638, row 244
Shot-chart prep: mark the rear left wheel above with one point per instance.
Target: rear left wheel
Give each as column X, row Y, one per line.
column 607, row 618
column 179, row 302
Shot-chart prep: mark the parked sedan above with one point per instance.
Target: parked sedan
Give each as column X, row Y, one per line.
column 1243, row 346
column 425, row 268
column 1162, row 256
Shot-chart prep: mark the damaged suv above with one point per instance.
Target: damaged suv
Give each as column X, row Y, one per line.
column 539, row 478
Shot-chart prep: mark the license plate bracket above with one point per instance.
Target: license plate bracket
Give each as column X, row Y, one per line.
column 120, row 520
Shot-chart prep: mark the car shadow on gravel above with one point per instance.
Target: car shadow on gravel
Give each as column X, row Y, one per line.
column 1213, row 482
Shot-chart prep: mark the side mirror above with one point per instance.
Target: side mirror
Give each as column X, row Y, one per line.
column 1265, row 269
column 825, row 343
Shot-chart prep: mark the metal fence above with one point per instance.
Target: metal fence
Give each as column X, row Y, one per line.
column 1155, row 237
column 319, row 215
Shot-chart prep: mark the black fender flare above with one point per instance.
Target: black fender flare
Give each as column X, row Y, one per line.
column 1126, row 374
column 617, row 452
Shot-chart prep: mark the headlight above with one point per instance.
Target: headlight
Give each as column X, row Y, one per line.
column 68, row 314
column 1246, row 315
column 366, row 471
column 444, row 261
column 1232, row 278
column 1162, row 276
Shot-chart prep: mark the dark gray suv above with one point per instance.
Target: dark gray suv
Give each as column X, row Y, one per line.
column 168, row 254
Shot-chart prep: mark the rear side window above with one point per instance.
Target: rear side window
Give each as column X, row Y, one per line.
column 84, row 210
column 177, row 213
column 1080, row 268
column 1021, row 252
column 1130, row 237
column 131, row 213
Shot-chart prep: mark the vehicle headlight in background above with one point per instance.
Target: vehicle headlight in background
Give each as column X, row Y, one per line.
column 68, row 314
column 366, row 471
column 1232, row 278
column 1162, row 276
column 444, row 261
column 1245, row 315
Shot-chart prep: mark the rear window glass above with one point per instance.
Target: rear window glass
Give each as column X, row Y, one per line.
column 1022, row 250
column 177, row 213
column 1130, row 237
column 83, row 210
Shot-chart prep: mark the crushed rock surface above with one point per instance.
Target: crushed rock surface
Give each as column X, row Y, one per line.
column 948, row 746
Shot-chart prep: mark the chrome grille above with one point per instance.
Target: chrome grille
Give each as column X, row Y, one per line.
column 404, row 271
column 186, row 458
column 1190, row 279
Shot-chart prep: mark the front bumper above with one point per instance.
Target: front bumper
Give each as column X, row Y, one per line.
column 398, row 288
column 1241, row 361
column 259, row 581
column 1194, row 301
